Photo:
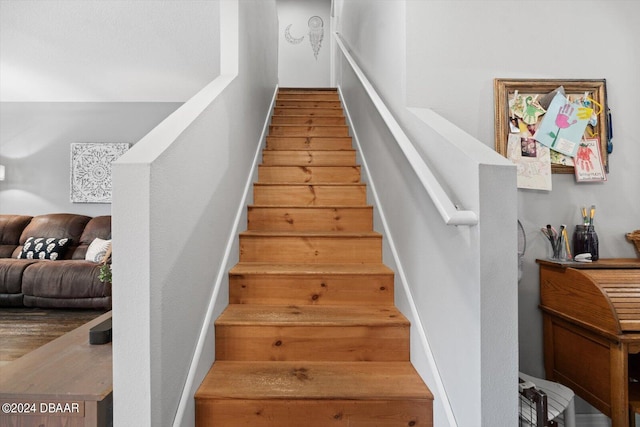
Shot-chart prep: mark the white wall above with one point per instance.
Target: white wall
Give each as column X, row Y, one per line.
column 35, row 139
column 91, row 71
column 466, row 305
column 106, row 50
column 458, row 48
column 177, row 194
column 298, row 66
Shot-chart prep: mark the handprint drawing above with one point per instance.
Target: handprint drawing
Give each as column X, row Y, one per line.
column 584, row 157
column 532, row 111
column 562, row 121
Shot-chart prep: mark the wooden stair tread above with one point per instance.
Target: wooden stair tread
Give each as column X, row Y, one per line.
column 308, row 120
column 307, row 89
column 309, row 183
column 310, row 194
column 310, row 218
column 254, row 206
column 310, row 315
column 313, row 380
column 309, row 142
column 309, row 174
column 351, row 234
column 314, row 184
column 308, row 111
column 309, row 157
column 316, row 284
column 308, row 268
column 294, row 125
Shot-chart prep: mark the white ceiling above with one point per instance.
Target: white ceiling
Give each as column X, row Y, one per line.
column 107, row 50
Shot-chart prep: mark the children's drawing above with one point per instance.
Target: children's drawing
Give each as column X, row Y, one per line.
column 532, row 110
column 289, row 38
column 532, row 160
column 316, row 34
column 563, row 126
column 588, row 161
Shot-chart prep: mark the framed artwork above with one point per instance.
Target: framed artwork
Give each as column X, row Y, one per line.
column 560, row 114
column 91, row 170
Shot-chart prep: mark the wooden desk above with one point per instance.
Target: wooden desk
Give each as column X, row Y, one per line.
column 591, row 314
column 67, row 382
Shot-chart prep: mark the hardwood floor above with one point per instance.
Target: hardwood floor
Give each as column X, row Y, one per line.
column 25, row 329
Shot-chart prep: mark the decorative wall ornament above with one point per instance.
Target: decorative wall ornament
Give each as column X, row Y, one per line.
column 316, row 34
column 289, row 38
column 91, row 170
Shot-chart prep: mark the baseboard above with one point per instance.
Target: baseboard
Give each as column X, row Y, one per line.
column 592, row 420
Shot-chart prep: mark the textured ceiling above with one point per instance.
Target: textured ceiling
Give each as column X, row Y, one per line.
column 107, row 50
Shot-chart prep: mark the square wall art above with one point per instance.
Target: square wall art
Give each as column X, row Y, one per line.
column 91, row 170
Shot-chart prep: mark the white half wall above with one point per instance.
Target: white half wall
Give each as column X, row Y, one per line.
column 304, row 37
column 176, row 196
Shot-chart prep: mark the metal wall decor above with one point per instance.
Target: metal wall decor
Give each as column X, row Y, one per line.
column 91, row 170
column 289, row 38
column 316, row 34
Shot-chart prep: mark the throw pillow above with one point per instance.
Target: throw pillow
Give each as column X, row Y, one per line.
column 44, row 248
column 97, row 250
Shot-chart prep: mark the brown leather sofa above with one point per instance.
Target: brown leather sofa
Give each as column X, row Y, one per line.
column 67, row 282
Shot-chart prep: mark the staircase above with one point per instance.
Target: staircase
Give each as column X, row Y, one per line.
column 311, row 336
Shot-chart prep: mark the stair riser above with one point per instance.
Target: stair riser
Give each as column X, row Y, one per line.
column 308, row 158
column 310, row 219
column 308, row 143
column 309, row 104
column 309, row 195
column 312, row 249
column 308, row 130
column 289, row 111
column 314, row 413
column 309, row 120
column 308, row 174
column 283, row 96
column 348, row 290
column 376, row 343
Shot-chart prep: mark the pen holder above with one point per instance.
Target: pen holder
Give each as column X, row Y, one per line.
column 558, row 251
column 585, row 240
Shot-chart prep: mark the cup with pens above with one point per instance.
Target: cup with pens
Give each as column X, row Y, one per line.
column 559, row 242
column 585, row 238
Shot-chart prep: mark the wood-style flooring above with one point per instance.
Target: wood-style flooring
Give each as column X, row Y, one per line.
column 25, row 329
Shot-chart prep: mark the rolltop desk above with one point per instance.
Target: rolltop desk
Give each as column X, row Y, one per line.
column 591, row 315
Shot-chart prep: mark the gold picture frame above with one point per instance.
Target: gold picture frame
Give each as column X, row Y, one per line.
column 503, row 89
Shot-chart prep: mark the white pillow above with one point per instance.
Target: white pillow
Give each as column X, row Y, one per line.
column 97, row 250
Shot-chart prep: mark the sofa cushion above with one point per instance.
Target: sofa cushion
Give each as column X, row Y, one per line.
column 97, row 250
column 64, row 279
column 11, row 227
column 98, row 227
column 60, row 225
column 49, row 248
column 11, row 273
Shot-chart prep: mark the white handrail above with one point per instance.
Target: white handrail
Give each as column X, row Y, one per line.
column 447, row 209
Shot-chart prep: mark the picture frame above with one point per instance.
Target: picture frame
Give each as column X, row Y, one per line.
column 505, row 89
column 90, row 170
